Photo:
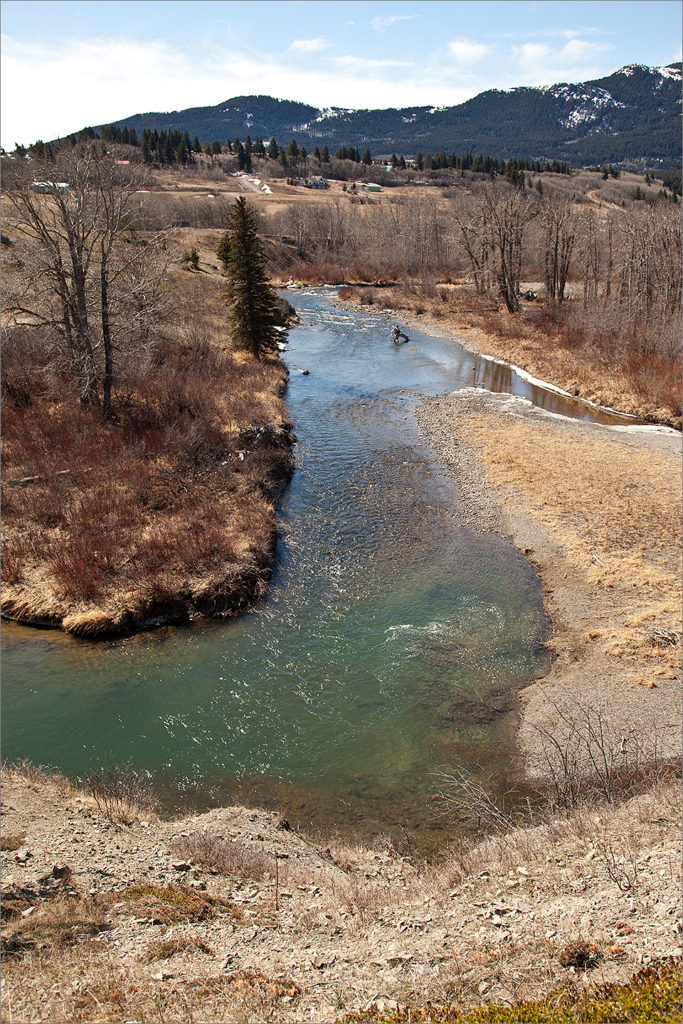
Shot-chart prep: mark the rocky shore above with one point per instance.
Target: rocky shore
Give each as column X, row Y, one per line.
column 229, row 915
column 596, row 510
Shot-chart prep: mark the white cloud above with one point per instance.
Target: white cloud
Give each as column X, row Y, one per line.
column 466, row 51
column 309, row 45
column 362, row 64
column 386, row 22
column 543, row 64
column 50, row 91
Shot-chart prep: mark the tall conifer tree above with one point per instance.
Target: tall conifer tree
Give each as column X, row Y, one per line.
column 254, row 312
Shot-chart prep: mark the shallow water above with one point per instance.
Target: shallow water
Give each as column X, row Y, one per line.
column 392, row 642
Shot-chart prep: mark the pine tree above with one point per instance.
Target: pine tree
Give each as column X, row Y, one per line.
column 273, row 149
column 254, row 312
column 223, row 250
column 367, row 158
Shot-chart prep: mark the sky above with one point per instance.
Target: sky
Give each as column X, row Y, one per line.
column 67, row 64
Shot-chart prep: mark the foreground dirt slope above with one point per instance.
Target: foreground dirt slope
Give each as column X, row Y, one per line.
column 111, row 922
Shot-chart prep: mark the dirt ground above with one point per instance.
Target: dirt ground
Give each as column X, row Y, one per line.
column 192, row 920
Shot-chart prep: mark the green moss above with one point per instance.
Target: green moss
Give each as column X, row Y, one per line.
column 175, row 903
column 653, row 994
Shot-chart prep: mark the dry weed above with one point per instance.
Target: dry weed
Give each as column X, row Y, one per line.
column 164, row 949
column 226, row 857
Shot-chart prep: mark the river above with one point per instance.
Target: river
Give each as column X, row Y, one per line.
column 392, row 642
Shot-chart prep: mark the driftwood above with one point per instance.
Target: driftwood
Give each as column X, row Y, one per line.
column 659, row 635
column 24, row 480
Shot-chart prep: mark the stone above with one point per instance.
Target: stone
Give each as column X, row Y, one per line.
column 382, row 1004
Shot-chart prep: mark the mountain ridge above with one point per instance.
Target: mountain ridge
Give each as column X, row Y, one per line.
column 630, row 116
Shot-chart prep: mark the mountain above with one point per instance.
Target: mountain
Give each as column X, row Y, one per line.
column 632, row 116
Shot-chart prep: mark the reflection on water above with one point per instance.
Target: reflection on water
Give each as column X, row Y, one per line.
column 393, row 639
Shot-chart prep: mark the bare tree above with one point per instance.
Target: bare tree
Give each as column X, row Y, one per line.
column 86, row 275
column 559, row 234
column 492, row 225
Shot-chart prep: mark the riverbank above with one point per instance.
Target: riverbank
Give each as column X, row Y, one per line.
column 596, row 509
column 110, row 914
column 540, row 348
column 161, row 513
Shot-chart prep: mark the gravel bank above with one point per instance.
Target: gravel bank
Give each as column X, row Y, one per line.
column 596, row 509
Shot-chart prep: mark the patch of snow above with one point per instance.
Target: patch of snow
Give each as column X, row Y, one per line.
column 536, row 381
column 409, row 120
column 264, row 188
column 670, row 72
column 328, row 112
column 512, row 401
column 631, row 69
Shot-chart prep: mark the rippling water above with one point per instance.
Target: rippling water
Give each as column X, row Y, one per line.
column 392, row 642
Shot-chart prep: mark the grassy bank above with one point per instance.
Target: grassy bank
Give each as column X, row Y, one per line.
column 165, row 510
column 589, row 359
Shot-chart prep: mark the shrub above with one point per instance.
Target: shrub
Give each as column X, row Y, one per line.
column 652, row 994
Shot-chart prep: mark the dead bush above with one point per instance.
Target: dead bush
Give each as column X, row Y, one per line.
column 581, row 955
column 121, row 793
column 224, row 856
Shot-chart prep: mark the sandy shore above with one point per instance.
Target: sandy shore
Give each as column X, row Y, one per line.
column 596, row 509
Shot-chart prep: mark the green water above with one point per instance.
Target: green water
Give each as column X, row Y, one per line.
column 393, row 640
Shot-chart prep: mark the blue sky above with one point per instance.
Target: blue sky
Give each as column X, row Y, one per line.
column 68, row 64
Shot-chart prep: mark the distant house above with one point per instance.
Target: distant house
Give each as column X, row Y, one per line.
column 50, row 186
column 316, row 182
column 370, row 186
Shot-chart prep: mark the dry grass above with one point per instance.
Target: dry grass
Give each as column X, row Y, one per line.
column 100, row 519
column 65, row 920
column 89, row 985
column 173, row 903
column 615, row 513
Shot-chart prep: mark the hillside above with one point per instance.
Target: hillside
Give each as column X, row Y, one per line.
column 631, row 116
column 229, row 915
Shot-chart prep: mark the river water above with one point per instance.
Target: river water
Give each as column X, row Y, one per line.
column 392, row 642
